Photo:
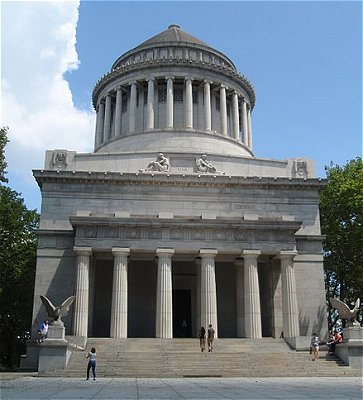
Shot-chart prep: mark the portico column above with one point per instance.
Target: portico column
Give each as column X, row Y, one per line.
column 164, row 295
column 208, row 292
column 244, row 123
column 290, row 316
column 80, row 320
column 207, row 107
column 132, row 115
column 252, row 295
column 150, row 103
column 119, row 293
column 235, row 116
column 107, row 123
column 223, row 109
column 249, row 128
column 188, row 103
column 118, row 111
column 240, row 297
column 100, row 124
column 169, row 102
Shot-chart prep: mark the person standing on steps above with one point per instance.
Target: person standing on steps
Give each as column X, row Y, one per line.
column 314, row 346
column 91, row 363
column 210, row 339
column 202, row 338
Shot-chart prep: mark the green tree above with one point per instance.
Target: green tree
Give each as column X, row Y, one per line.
column 3, row 141
column 341, row 207
column 17, row 267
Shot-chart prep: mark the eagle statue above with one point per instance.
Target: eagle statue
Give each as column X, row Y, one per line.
column 56, row 313
column 344, row 311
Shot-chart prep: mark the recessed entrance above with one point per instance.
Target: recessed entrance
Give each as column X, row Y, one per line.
column 182, row 313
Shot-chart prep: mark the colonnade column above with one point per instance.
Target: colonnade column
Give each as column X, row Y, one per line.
column 100, row 123
column 240, row 297
column 118, row 111
column 208, row 292
column 80, row 320
column 244, row 123
column 164, row 295
column 132, row 114
column 249, row 128
column 207, row 107
column 290, row 319
column 253, row 327
column 169, row 102
column 223, row 109
column 119, row 293
column 188, row 103
column 235, row 115
column 150, row 103
column 107, row 123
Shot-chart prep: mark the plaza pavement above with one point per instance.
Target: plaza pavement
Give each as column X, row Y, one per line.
column 33, row 387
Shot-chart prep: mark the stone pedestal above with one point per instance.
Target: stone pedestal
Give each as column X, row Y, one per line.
column 351, row 349
column 56, row 331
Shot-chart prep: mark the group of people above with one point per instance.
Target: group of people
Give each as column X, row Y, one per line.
column 335, row 338
column 210, row 338
column 43, row 331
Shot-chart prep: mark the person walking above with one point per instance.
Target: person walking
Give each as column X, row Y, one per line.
column 44, row 327
column 314, row 345
column 210, row 338
column 91, row 363
column 202, row 338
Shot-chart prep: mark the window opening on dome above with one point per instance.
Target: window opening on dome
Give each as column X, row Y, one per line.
column 162, row 95
column 195, row 97
column 124, row 102
column 218, row 103
column 178, row 95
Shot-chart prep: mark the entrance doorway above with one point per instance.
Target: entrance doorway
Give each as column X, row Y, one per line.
column 182, row 314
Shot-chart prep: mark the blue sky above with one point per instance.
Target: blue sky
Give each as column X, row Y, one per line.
column 304, row 60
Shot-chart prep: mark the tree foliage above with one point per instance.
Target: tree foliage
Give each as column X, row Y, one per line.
column 17, row 268
column 3, row 141
column 341, row 207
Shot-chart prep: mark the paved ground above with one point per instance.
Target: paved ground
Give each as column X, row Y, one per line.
column 29, row 387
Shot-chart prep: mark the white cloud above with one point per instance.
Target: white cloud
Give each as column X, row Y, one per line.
column 38, row 47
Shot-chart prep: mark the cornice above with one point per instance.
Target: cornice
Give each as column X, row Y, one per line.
column 176, row 180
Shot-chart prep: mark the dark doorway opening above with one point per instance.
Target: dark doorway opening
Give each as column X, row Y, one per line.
column 182, row 314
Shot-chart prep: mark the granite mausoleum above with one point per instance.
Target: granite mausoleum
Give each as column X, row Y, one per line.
column 173, row 222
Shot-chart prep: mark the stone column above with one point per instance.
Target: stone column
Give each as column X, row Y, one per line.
column 208, row 292
column 252, row 295
column 99, row 124
column 80, row 320
column 132, row 115
column 169, row 102
column 119, row 293
column 188, row 103
column 240, row 297
column 244, row 122
column 150, row 103
column 107, row 123
column 223, row 109
column 207, row 107
column 164, row 295
column 249, row 128
column 290, row 316
column 118, row 111
column 235, row 116
column 197, row 266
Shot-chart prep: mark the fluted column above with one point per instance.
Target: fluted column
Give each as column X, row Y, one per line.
column 118, row 111
column 244, row 123
column 249, row 128
column 208, row 292
column 164, row 295
column 107, row 123
column 223, row 109
column 132, row 115
column 119, row 293
column 188, row 103
column 290, row 316
column 80, row 320
column 197, row 266
column 235, row 115
column 100, row 124
column 240, row 297
column 169, row 102
column 207, row 107
column 150, row 104
column 252, row 295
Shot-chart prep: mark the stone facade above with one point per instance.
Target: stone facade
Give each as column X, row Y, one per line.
column 172, row 222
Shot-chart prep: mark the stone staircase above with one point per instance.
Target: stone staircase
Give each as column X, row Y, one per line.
column 148, row 357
